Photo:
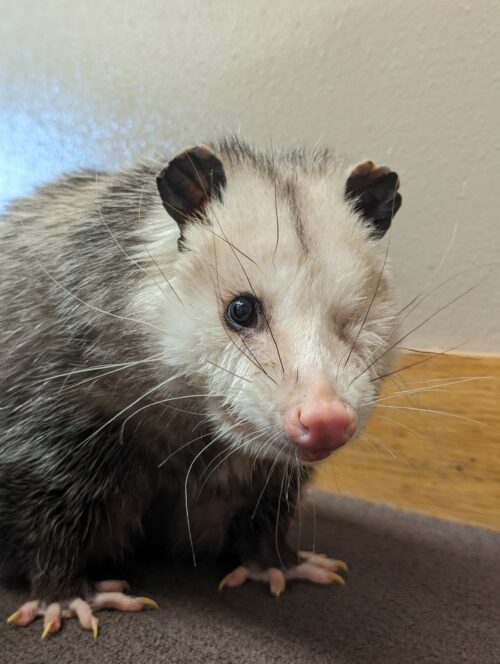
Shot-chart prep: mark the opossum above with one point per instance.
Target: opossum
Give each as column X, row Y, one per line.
column 181, row 341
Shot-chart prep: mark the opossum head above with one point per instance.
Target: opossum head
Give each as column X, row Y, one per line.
column 284, row 312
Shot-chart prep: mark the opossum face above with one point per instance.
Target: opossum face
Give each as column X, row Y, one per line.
column 284, row 313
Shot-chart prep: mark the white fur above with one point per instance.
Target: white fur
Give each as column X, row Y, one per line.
column 315, row 301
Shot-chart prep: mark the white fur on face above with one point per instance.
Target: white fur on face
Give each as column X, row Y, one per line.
column 315, row 293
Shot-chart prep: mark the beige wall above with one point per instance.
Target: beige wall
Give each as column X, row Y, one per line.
column 414, row 83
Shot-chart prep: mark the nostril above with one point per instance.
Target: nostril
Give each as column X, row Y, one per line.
column 295, row 428
column 304, row 431
column 327, row 422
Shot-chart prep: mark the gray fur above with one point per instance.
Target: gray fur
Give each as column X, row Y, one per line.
column 69, row 497
column 83, row 479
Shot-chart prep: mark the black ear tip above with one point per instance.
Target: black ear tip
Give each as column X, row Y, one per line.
column 392, row 180
column 374, row 190
column 160, row 179
column 189, row 181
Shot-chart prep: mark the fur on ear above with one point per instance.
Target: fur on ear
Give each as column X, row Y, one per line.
column 374, row 191
column 189, row 182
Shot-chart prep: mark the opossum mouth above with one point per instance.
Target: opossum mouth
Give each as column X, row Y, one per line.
column 302, row 454
column 313, row 455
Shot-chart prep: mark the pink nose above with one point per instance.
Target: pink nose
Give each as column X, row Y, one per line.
column 320, row 426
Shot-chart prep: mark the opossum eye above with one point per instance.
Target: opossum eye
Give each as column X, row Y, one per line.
column 243, row 311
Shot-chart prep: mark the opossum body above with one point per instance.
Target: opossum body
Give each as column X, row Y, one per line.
column 176, row 351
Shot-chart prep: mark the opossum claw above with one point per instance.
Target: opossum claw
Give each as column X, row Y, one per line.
column 25, row 614
column 121, row 602
column 323, row 560
column 150, row 602
column 46, row 630
column 235, row 578
column 273, row 576
column 12, row 618
column 95, row 627
column 315, row 567
column 109, row 595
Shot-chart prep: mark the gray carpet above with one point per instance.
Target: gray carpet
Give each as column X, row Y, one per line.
column 419, row 590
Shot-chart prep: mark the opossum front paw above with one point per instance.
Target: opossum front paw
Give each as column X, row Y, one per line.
column 107, row 595
column 314, row 567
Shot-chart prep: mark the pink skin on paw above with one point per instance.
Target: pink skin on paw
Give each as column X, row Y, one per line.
column 25, row 614
column 112, row 586
column 109, row 595
column 52, row 620
column 316, row 568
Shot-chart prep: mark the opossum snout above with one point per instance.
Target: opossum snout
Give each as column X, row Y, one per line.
column 320, row 424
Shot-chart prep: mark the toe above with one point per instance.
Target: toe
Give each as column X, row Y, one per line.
column 321, row 560
column 273, row 576
column 112, row 585
column 277, row 581
column 25, row 614
column 121, row 602
column 52, row 619
column 235, row 578
column 315, row 573
column 86, row 618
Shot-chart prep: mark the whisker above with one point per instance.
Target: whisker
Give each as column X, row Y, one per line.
column 239, row 423
column 117, row 243
column 446, row 378
column 87, row 304
column 427, row 439
column 157, row 403
column 417, row 362
column 228, row 371
column 276, row 543
column 445, row 255
column 474, row 268
column 254, row 361
column 437, row 388
column 371, row 439
column 96, row 378
column 75, row 372
column 239, row 262
column 193, row 440
column 123, row 410
column 417, row 327
column 275, row 198
column 372, row 300
column 313, row 503
column 255, row 294
column 229, row 453
column 147, row 248
column 298, row 510
column 261, row 453
column 439, row 412
column 267, row 479
column 186, row 497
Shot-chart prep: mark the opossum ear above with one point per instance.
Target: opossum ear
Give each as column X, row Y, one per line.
column 374, row 191
column 189, row 182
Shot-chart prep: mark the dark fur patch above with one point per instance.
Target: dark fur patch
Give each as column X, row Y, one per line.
column 374, row 190
column 290, row 193
column 76, row 477
column 189, row 182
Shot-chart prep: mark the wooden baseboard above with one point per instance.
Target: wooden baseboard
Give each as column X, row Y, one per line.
column 439, row 463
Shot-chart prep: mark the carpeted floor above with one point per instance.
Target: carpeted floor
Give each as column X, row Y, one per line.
column 419, row 590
